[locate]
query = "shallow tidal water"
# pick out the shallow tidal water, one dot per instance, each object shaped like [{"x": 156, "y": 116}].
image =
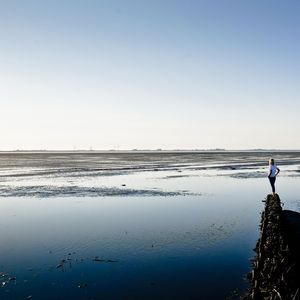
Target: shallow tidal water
[{"x": 134, "y": 225}]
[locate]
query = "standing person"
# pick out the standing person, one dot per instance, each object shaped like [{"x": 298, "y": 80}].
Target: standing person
[{"x": 273, "y": 172}]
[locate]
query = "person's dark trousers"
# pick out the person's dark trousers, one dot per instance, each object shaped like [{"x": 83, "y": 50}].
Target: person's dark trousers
[{"x": 272, "y": 181}]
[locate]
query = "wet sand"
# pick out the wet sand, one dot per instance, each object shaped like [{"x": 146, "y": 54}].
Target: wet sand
[
  {"x": 59, "y": 168},
  {"x": 132, "y": 225}
]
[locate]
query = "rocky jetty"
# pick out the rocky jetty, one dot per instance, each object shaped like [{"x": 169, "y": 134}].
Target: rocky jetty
[{"x": 275, "y": 268}]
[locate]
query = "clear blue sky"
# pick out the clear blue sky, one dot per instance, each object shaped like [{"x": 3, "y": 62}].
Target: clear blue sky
[{"x": 167, "y": 74}]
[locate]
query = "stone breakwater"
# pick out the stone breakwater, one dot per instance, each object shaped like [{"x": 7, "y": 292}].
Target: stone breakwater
[{"x": 275, "y": 268}]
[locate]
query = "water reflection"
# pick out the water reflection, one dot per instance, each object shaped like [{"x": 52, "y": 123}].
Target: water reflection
[{"x": 157, "y": 243}]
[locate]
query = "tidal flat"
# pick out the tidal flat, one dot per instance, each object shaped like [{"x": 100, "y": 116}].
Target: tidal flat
[{"x": 134, "y": 225}]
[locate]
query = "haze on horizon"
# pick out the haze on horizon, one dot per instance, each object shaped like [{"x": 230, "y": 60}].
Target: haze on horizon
[{"x": 149, "y": 74}]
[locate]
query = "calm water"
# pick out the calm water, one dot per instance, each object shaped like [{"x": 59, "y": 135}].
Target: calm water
[{"x": 133, "y": 225}]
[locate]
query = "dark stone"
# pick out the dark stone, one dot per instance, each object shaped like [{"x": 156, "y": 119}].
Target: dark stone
[{"x": 276, "y": 267}]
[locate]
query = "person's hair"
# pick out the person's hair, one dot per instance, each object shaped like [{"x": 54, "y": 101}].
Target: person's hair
[{"x": 271, "y": 161}]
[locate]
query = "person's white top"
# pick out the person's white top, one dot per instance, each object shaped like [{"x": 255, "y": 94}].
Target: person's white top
[{"x": 273, "y": 170}]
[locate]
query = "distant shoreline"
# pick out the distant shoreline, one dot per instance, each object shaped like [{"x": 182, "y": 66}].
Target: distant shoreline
[{"x": 152, "y": 151}]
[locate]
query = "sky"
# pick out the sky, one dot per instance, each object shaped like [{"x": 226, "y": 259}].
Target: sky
[{"x": 149, "y": 74}]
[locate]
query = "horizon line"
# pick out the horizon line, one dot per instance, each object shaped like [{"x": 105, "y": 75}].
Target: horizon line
[{"x": 150, "y": 150}]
